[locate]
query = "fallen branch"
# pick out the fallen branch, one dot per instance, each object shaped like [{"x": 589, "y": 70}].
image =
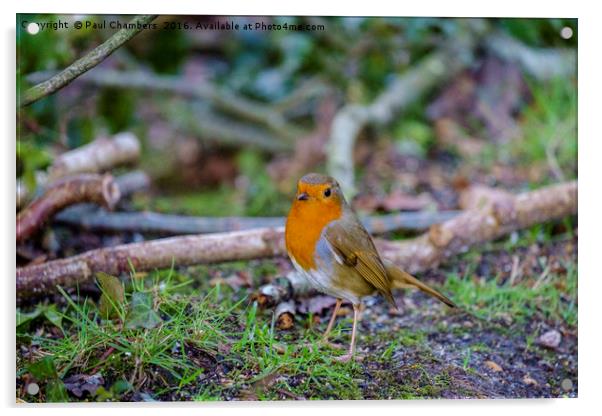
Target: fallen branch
[
  {"x": 442, "y": 241},
  {"x": 168, "y": 224},
  {"x": 402, "y": 92},
  {"x": 150, "y": 255},
  {"x": 284, "y": 314},
  {"x": 481, "y": 224},
  {"x": 96, "y": 157},
  {"x": 132, "y": 182},
  {"x": 221, "y": 99},
  {"x": 87, "y": 62},
  {"x": 72, "y": 190}
]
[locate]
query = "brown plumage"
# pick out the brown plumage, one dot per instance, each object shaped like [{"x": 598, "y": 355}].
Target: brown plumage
[{"x": 329, "y": 245}]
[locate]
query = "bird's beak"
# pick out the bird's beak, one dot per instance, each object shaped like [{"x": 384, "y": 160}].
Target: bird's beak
[{"x": 302, "y": 196}]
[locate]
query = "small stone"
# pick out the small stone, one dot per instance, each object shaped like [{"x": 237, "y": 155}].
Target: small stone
[
  {"x": 33, "y": 389},
  {"x": 566, "y": 384},
  {"x": 550, "y": 339},
  {"x": 529, "y": 381},
  {"x": 495, "y": 367}
]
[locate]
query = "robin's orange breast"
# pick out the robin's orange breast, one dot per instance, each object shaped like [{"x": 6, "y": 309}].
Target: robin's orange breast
[{"x": 304, "y": 225}]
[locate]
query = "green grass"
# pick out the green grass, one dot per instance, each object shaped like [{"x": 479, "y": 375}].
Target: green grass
[
  {"x": 554, "y": 297},
  {"x": 234, "y": 332},
  {"x": 548, "y": 133},
  {"x": 213, "y": 343}
]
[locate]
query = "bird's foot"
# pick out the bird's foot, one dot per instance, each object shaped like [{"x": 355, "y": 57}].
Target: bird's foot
[{"x": 311, "y": 345}]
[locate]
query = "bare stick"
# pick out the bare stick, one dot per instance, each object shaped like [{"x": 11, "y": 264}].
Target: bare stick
[
  {"x": 418, "y": 254},
  {"x": 89, "y": 61},
  {"x": 285, "y": 315},
  {"x": 482, "y": 224},
  {"x": 100, "y": 155},
  {"x": 72, "y": 190},
  {"x": 150, "y": 255},
  {"x": 128, "y": 183},
  {"x": 152, "y": 222}
]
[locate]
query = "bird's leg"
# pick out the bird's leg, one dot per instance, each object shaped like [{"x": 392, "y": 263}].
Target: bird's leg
[
  {"x": 345, "y": 358},
  {"x": 332, "y": 319},
  {"x": 331, "y": 324}
]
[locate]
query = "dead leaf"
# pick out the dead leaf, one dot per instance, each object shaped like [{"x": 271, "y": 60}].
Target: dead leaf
[
  {"x": 259, "y": 386},
  {"x": 528, "y": 380},
  {"x": 285, "y": 321},
  {"x": 493, "y": 366},
  {"x": 113, "y": 295},
  {"x": 78, "y": 384}
]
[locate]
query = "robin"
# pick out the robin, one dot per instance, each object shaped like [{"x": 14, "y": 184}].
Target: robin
[{"x": 328, "y": 244}]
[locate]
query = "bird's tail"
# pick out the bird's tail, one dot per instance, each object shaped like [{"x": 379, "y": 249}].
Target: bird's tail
[{"x": 402, "y": 280}]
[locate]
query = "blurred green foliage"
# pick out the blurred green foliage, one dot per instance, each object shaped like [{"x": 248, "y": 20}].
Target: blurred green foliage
[
  {"x": 541, "y": 32},
  {"x": 358, "y": 56}
]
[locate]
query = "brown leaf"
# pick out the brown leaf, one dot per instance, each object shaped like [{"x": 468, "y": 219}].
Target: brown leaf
[
  {"x": 259, "y": 386},
  {"x": 285, "y": 321},
  {"x": 493, "y": 366},
  {"x": 528, "y": 380}
]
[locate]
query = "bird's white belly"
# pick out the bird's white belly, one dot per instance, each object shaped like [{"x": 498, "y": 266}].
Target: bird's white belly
[{"x": 323, "y": 282}]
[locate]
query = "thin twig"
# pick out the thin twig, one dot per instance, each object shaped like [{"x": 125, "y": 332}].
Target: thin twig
[
  {"x": 84, "y": 64},
  {"x": 94, "y": 219}
]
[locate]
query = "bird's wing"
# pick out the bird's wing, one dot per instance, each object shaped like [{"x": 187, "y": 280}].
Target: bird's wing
[{"x": 353, "y": 245}]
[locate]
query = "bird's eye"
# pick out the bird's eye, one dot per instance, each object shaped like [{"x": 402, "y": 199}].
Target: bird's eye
[{"x": 327, "y": 192}]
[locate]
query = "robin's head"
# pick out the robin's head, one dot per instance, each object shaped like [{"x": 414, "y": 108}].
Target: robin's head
[{"x": 318, "y": 190}]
